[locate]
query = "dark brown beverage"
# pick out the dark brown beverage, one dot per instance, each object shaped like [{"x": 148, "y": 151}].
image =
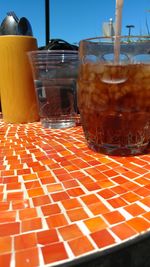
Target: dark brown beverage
[{"x": 114, "y": 103}]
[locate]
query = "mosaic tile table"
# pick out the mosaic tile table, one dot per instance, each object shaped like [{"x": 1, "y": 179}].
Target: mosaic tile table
[{"x": 61, "y": 203}]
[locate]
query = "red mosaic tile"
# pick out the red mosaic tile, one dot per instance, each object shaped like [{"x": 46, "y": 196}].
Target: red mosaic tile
[
  {"x": 76, "y": 247},
  {"x": 92, "y": 186},
  {"x": 4, "y": 205},
  {"x": 56, "y": 220},
  {"x": 13, "y": 186},
  {"x": 47, "y": 237},
  {"x": 25, "y": 241},
  {"x": 110, "y": 173},
  {"x": 31, "y": 224},
  {"x": 120, "y": 180},
  {"x": 41, "y": 200},
  {"x": 51, "y": 255},
  {"x": 106, "y": 193},
  {"x": 139, "y": 224},
  {"x": 114, "y": 217},
  {"x": 8, "y": 229},
  {"x": 117, "y": 202},
  {"x": 59, "y": 196},
  {"x": 32, "y": 184},
  {"x": 10, "y": 179},
  {"x": 50, "y": 209},
  {"x": 5, "y": 260},
  {"x": 103, "y": 238},
  {"x": 5, "y": 245},
  {"x": 69, "y": 232},
  {"x": 15, "y": 196},
  {"x": 70, "y": 183},
  {"x": 123, "y": 231},
  {"x": 28, "y": 257},
  {"x": 75, "y": 192},
  {"x": 95, "y": 224}
]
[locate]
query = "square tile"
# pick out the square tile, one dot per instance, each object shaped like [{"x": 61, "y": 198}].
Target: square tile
[{"x": 51, "y": 255}]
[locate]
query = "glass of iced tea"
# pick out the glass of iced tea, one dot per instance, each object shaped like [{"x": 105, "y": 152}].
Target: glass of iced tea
[{"x": 114, "y": 96}]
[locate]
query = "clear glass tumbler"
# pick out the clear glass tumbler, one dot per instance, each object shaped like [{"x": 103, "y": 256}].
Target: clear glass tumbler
[
  {"x": 55, "y": 73},
  {"x": 114, "y": 94}
]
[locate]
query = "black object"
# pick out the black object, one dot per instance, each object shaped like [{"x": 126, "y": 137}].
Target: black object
[{"x": 59, "y": 44}]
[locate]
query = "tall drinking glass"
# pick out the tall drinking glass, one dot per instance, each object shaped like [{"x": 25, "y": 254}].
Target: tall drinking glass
[{"x": 114, "y": 96}]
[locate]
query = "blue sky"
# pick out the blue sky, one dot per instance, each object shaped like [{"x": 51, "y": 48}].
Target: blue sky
[{"x": 73, "y": 20}]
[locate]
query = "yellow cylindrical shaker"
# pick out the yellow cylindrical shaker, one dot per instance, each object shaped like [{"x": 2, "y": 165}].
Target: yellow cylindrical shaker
[{"x": 18, "y": 98}]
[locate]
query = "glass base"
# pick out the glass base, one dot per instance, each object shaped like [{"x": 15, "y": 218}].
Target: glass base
[
  {"x": 58, "y": 124},
  {"x": 117, "y": 150}
]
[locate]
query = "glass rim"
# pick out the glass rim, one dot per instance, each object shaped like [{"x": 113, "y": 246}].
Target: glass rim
[
  {"x": 128, "y": 37},
  {"x": 56, "y": 52}
]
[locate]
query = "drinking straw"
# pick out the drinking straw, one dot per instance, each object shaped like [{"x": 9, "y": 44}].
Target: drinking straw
[{"x": 118, "y": 24}]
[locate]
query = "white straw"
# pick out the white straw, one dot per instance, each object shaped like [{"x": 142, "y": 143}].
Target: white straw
[{"x": 118, "y": 24}]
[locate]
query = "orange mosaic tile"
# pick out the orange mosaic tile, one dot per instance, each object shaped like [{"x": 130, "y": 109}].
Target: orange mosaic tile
[
  {"x": 56, "y": 220},
  {"x": 71, "y": 203},
  {"x": 41, "y": 200},
  {"x": 103, "y": 238},
  {"x": 77, "y": 214},
  {"x": 25, "y": 241},
  {"x": 123, "y": 231},
  {"x": 130, "y": 197},
  {"x": 20, "y": 204},
  {"x": 27, "y": 213},
  {"x": 51, "y": 255},
  {"x": 61, "y": 201},
  {"x": 15, "y": 196},
  {"x": 38, "y": 191},
  {"x": 54, "y": 187},
  {"x": 114, "y": 217},
  {"x": 31, "y": 224},
  {"x": 29, "y": 257},
  {"x": 139, "y": 224},
  {"x": 70, "y": 232},
  {"x": 98, "y": 208},
  {"x": 147, "y": 216},
  {"x": 95, "y": 224},
  {"x": 76, "y": 247},
  {"x": 5, "y": 245},
  {"x": 7, "y": 216},
  {"x": 134, "y": 209}
]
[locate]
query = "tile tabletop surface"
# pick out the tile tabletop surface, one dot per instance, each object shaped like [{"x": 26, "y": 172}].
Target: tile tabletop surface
[{"x": 61, "y": 202}]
